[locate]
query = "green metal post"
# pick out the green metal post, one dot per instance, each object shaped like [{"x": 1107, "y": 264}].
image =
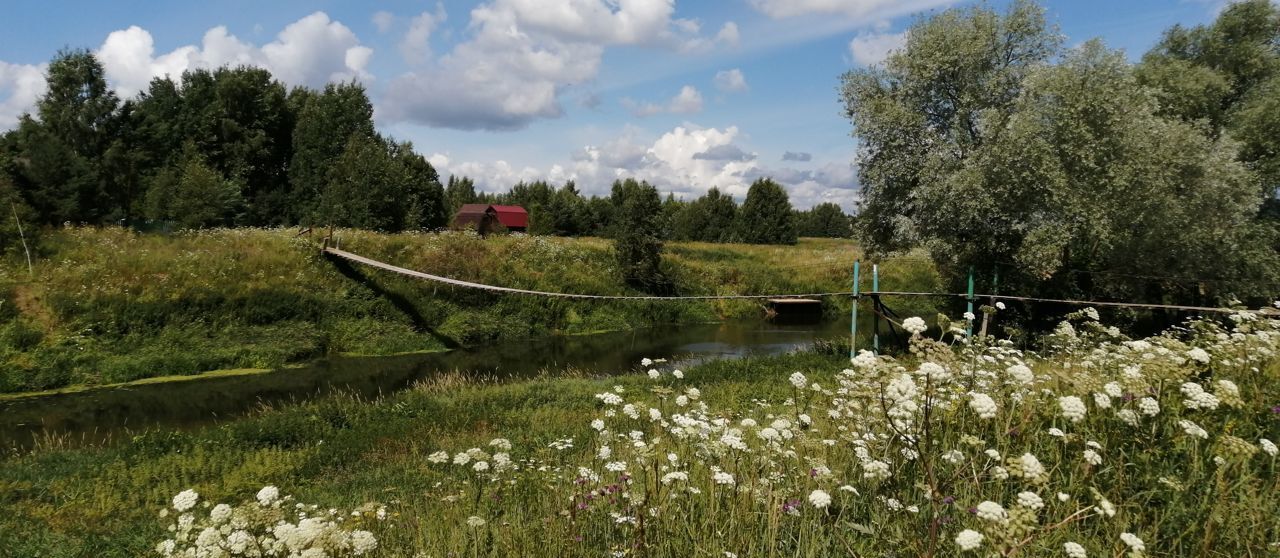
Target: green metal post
[
  {"x": 969, "y": 323},
  {"x": 853, "y": 328},
  {"x": 875, "y": 288}
]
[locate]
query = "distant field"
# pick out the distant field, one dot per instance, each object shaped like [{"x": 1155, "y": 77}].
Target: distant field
[{"x": 110, "y": 305}]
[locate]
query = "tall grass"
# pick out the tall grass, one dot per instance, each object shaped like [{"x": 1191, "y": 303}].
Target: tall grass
[
  {"x": 1098, "y": 441},
  {"x": 111, "y": 305}
]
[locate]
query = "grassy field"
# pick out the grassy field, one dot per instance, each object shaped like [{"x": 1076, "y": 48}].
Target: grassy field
[
  {"x": 109, "y": 305},
  {"x": 1155, "y": 447}
]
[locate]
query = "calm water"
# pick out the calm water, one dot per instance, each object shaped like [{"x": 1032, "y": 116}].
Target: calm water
[{"x": 102, "y": 415}]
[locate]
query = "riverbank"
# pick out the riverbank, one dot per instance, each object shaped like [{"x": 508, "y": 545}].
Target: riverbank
[
  {"x": 110, "y": 305},
  {"x": 784, "y": 455},
  {"x": 75, "y": 417}
]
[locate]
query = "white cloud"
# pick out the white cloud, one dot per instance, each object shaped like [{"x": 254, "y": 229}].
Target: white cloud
[
  {"x": 731, "y": 81},
  {"x": 594, "y": 21},
  {"x": 523, "y": 55},
  {"x": 728, "y": 34},
  {"x": 872, "y": 48},
  {"x": 311, "y": 51},
  {"x": 383, "y": 20},
  {"x": 20, "y": 86},
  {"x": 687, "y": 101},
  {"x": 687, "y": 161},
  {"x": 416, "y": 45},
  {"x": 860, "y": 9}
]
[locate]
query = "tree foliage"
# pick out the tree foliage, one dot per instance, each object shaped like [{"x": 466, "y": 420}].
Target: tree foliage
[
  {"x": 766, "y": 217},
  {"x": 638, "y": 233},
  {"x": 825, "y": 220},
  {"x": 1053, "y": 169}
]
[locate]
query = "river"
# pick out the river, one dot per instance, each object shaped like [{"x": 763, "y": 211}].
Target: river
[{"x": 99, "y": 416}]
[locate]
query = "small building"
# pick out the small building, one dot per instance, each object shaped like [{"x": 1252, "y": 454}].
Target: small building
[{"x": 487, "y": 218}]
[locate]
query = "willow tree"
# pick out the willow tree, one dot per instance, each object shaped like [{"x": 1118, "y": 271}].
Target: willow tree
[{"x": 976, "y": 147}]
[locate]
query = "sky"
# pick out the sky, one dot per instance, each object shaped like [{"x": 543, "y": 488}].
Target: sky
[{"x": 686, "y": 95}]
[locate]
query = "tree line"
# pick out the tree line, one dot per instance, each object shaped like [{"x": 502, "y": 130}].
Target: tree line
[
  {"x": 235, "y": 147},
  {"x": 224, "y": 147},
  {"x": 765, "y": 216},
  {"x": 1074, "y": 172}
]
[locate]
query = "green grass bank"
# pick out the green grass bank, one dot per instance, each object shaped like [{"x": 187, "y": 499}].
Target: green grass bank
[
  {"x": 746, "y": 456},
  {"x": 108, "y": 305}
]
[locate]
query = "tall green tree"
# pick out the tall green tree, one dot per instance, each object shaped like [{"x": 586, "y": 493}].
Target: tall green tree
[
  {"x": 825, "y": 220},
  {"x": 1225, "y": 77},
  {"x": 924, "y": 112},
  {"x": 59, "y": 155},
  {"x": 638, "y": 234},
  {"x": 710, "y": 218},
  {"x": 325, "y": 125},
  {"x": 426, "y": 206},
  {"x": 459, "y": 191},
  {"x": 194, "y": 195},
  {"x": 766, "y": 217},
  {"x": 1068, "y": 167}
]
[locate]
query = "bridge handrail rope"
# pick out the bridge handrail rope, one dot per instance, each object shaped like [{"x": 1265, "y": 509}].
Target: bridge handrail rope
[{"x": 869, "y": 294}]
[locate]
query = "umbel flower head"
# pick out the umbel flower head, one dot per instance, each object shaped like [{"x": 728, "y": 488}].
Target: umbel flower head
[{"x": 968, "y": 539}]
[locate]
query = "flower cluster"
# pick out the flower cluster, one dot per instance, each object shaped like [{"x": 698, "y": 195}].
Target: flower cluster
[{"x": 270, "y": 525}]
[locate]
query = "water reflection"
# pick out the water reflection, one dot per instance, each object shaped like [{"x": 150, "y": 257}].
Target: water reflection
[{"x": 98, "y": 416}]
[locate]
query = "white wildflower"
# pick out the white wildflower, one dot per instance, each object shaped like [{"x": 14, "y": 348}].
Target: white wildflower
[
  {"x": 914, "y": 325},
  {"x": 968, "y": 539},
  {"x": 1268, "y": 446},
  {"x": 1073, "y": 408},
  {"x": 1092, "y": 457},
  {"x": 1149, "y": 406},
  {"x": 1030, "y": 500},
  {"x": 983, "y": 405},
  {"x": 1020, "y": 374},
  {"x": 1074, "y": 550},
  {"x": 185, "y": 500},
  {"x": 1133, "y": 542},
  {"x": 798, "y": 380},
  {"x": 991, "y": 511},
  {"x": 1192, "y": 429},
  {"x": 269, "y": 494},
  {"x": 819, "y": 499}
]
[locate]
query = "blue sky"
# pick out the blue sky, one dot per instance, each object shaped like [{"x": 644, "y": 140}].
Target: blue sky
[{"x": 687, "y": 95}]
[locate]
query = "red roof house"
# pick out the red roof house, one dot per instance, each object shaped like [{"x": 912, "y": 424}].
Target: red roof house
[
  {"x": 513, "y": 217},
  {"x": 485, "y": 218}
]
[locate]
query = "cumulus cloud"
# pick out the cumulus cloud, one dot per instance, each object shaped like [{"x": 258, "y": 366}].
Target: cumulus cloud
[
  {"x": 311, "y": 51},
  {"x": 728, "y": 34},
  {"x": 726, "y": 152},
  {"x": 687, "y": 160},
  {"x": 731, "y": 81},
  {"x": 522, "y": 55},
  {"x": 416, "y": 45},
  {"x": 20, "y": 86},
  {"x": 858, "y": 9},
  {"x": 872, "y": 48},
  {"x": 797, "y": 156},
  {"x": 383, "y": 20},
  {"x": 687, "y": 101}
]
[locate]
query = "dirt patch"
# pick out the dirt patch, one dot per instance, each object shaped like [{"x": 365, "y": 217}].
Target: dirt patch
[{"x": 30, "y": 305}]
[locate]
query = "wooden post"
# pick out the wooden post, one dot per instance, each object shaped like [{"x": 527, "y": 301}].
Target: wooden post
[
  {"x": 31, "y": 274},
  {"x": 986, "y": 316},
  {"x": 875, "y": 288},
  {"x": 853, "y": 328},
  {"x": 968, "y": 329}
]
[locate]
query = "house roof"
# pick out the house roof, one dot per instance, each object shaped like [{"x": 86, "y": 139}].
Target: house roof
[
  {"x": 473, "y": 208},
  {"x": 512, "y": 215}
]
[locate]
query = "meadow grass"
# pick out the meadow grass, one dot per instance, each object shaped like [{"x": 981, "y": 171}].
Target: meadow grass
[
  {"x": 109, "y": 305},
  {"x": 1120, "y": 447}
]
